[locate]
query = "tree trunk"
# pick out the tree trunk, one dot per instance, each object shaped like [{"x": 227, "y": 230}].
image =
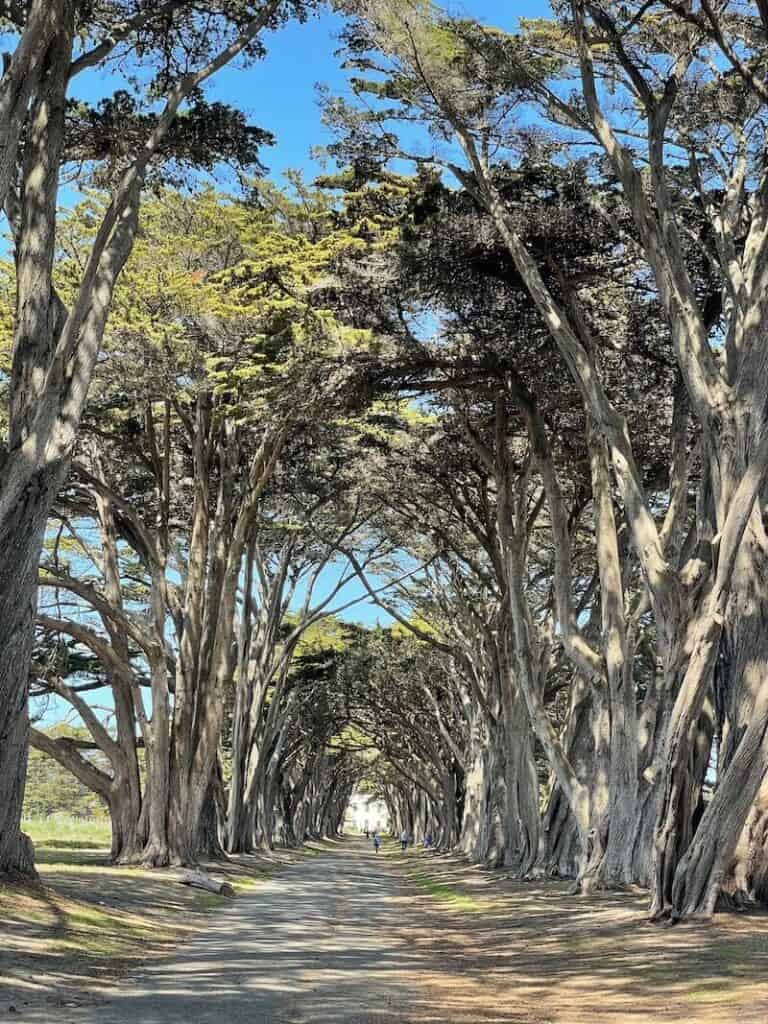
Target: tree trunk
[
  {"x": 690, "y": 868},
  {"x": 709, "y": 857},
  {"x": 559, "y": 850},
  {"x": 652, "y": 723},
  {"x": 125, "y": 815},
  {"x": 22, "y": 528},
  {"x": 474, "y": 837},
  {"x": 31, "y": 474},
  {"x": 157, "y": 852},
  {"x": 749, "y": 873},
  {"x": 739, "y": 684},
  {"x": 616, "y": 868},
  {"x": 521, "y": 806},
  {"x": 682, "y": 776},
  {"x": 207, "y": 844}
]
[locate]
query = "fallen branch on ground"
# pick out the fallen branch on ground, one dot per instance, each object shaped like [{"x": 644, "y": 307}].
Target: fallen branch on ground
[{"x": 198, "y": 880}]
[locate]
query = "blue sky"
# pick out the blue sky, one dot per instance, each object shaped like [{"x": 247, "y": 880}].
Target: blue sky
[{"x": 279, "y": 93}]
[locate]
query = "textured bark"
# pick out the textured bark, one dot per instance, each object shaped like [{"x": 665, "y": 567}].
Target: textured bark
[
  {"x": 128, "y": 837},
  {"x": 22, "y": 528},
  {"x": 20, "y": 80},
  {"x": 29, "y": 482},
  {"x": 125, "y": 802},
  {"x": 560, "y": 850},
  {"x": 559, "y": 854},
  {"x": 475, "y": 835},
  {"x": 687, "y": 880},
  {"x": 18, "y": 599},
  {"x": 199, "y": 588},
  {"x": 54, "y": 354},
  {"x": 159, "y": 850},
  {"x": 710, "y": 854},
  {"x": 521, "y": 818},
  {"x": 528, "y": 663},
  {"x": 616, "y": 867},
  {"x": 732, "y": 416},
  {"x": 236, "y": 824},
  {"x": 727, "y": 398},
  {"x": 747, "y": 879},
  {"x": 740, "y": 700},
  {"x": 207, "y": 845}
]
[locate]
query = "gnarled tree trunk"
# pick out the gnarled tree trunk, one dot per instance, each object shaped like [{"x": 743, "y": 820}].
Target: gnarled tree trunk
[{"x": 18, "y": 600}]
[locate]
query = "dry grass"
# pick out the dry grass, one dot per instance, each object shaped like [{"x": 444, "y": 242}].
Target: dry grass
[
  {"x": 488, "y": 949},
  {"x": 511, "y": 951},
  {"x": 90, "y": 922}
]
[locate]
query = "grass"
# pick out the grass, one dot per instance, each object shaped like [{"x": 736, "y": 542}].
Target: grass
[
  {"x": 107, "y": 934},
  {"x": 446, "y": 893},
  {"x": 89, "y": 920},
  {"x": 83, "y": 907},
  {"x": 576, "y": 959},
  {"x": 47, "y": 927},
  {"x": 60, "y": 831},
  {"x": 438, "y": 889}
]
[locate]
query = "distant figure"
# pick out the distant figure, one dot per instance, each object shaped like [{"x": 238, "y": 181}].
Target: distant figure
[
  {"x": 403, "y": 840},
  {"x": 376, "y": 842},
  {"x": 428, "y": 841},
  {"x": 366, "y": 832}
]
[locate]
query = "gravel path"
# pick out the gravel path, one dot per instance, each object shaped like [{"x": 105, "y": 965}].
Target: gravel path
[{"x": 314, "y": 945}]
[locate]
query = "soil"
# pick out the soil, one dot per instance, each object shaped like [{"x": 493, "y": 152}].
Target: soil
[
  {"x": 534, "y": 953},
  {"x": 349, "y": 937},
  {"x": 88, "y": 924}
]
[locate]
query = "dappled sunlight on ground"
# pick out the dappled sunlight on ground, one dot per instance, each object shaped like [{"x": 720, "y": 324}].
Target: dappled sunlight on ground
[
  {"x": 571, "y": 959},
  {"x": 90, "y": 922},
  {"x": 357, "y": 938}
]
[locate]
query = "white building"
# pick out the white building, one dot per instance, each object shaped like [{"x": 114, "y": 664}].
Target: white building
[{"x": 366, "y": 812}]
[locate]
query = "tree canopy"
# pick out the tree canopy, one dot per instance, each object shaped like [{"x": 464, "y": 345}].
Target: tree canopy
[{"x": 496, "y": 376}]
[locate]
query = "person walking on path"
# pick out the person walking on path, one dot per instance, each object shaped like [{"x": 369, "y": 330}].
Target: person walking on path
[
  {"x": 403, "y": 840},
  {"x": 376, "y": 842}
]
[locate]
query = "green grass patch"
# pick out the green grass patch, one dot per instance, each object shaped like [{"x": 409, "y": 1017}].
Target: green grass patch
[
  {"x": 60, "y": 858},
  {"x": 307, "y": 850},
  {"x": 63, "y": 832},
  {"x": 89, "y": 918},
  {"x": 106, "y": 934},
  {"x": 208, "y": 901},
  {"x": 244, "y": 883},
  {"x": 89, "y": 911},
  {"x": 76, "y": 929},
  {"x": 69, "y": 844},
  {"x": 446, "y": 893}
]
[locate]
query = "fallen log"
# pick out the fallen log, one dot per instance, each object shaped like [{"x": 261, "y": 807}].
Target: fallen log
[{"x": 198, "y": 880}]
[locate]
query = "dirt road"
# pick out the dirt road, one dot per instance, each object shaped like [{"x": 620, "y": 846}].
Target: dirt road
[
  {"x": 349, "y": 937},
  {"x": 321, "y": 943}
]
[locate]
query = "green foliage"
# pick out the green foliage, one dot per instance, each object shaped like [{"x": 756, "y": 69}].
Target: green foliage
[
  {"x": 388, "y": 423},
  {"x": 446, "y": 893},
  {"x": 418, "y": 62},
  {"x": 326, "y": 636},
  {"x": 223, "y": 295},
  {"x": 52, "y": 790},
  {"x": 202, "y": 136}
]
